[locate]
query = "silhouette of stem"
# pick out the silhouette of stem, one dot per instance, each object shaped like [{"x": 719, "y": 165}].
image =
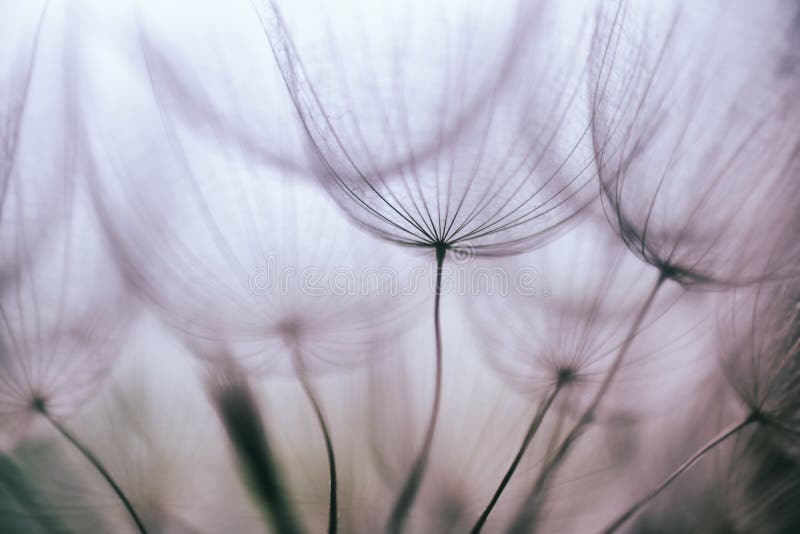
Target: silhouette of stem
[
  {"x": 312, "y": 397},
  {"x": 697, "y": 456},
  {"x": 243, "y": 424},
  {"x": 532, "y": 429},
  {"x": 525, "y": 521},
  {"x": 89, "y": 455},
  {"x": 406, "y": 498}
]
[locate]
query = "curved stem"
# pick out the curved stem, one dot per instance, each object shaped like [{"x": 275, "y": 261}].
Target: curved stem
[
  {"x": 525, "y": 521},
  {"x": 406, "y": 498},
  {"x": 312, "y": 398},
  {"x": 719, "y": 438},
  {"x": 532, "y": 429},
  {"x": 97, "y": 465}
]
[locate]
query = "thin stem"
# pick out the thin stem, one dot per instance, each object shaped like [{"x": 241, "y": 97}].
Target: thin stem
[
  {"x": 312, "y": 398},
  {"x": 705, "y": 449},
  {"x": 406, "y": 499},
  {"x": 97, "y": 465},
  {"x": 525, "y": 521},
  {"x": 532, "y": 429},
  {"x": 553, "y": 441}
]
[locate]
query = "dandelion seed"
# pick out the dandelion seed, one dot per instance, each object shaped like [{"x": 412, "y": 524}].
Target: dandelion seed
[
  {"x": 501, "y": 182},
  {"x": 246, "y": 263},
  {"x": 695, "y": 159},
  {"x": 648, "y": 164},
  {"x": 60, "y": 336},
  {"x": 763, "y": 365}
]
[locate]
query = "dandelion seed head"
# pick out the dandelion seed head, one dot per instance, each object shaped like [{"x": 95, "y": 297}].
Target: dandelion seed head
[
  {"x": 696, "y": 152},
  {"x": 497, "y": 184},
  {"x": 760, "y": 350},
  {"x": 246, "y": 259},
  {"x": 62, "y": 324},
  {"x": 565, "y": 375}
]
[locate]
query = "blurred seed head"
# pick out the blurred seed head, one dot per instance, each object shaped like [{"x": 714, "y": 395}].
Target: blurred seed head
[{"x": 697, "y": 152}]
